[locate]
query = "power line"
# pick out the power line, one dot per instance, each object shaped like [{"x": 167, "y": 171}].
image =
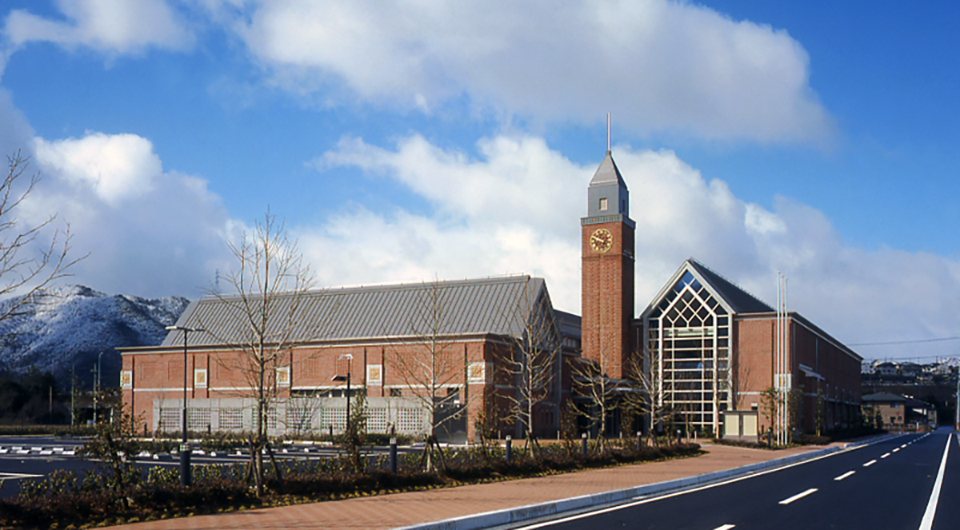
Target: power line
[{"x": 917, "y": 341}]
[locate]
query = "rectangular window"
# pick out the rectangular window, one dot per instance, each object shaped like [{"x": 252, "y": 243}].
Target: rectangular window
[
  {"x": 126, "y": 379},
  {"x": 333, "y": 417},
  {"x": 231, "y": 419},
  {"x": 374, "y": 374},
  {"x": 409, "y": 420},
  {"x": 377, "y": 420},
  {"x": 603, "y": 204},
  {"x": 200, "y": 378},
  {"x": 299, "y": 418},
  {"x": 396, "y": 392},
  {"x": 477, "y": 373},
  {"x": 171, "y": 419},
  {"x": 283, "y": 376},
  {"x": 198, "y": 419}
]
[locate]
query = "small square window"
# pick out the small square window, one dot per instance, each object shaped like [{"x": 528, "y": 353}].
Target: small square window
[{"x": 603, "y": 204}]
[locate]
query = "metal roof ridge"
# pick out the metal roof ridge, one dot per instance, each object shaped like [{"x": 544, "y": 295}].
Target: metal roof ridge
[{"x": 503, "y": 278}]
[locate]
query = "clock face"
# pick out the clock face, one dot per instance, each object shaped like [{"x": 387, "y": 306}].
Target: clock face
[{"x": 601, "y": 240}]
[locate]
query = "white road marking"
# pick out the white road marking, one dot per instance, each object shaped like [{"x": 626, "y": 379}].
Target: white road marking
[
  {"x": 845, "y": 475},
  {"x": 15, "y": 476},
  {"x": 927, "y": 522},
  {"x": 798, "y": 496},
  {"x": 640, "y": 500},
  {"x": 885, "y": 455},
  {"x": 904, "y": 446},
  {"x": 895, "y": 450},
  {"x": 725, "y": 527},
  {"x": 870, "y": 463}
]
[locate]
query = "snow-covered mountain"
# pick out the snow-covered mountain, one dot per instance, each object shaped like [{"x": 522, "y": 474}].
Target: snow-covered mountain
[{"x": 67, "y": 333}]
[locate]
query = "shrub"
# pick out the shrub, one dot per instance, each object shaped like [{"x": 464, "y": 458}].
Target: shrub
[{"x": 86, "y": 498}]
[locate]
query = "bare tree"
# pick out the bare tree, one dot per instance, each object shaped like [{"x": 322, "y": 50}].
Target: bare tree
[
  {"x": 645, "y": 397},
  {"x": 591, "y": 381},
  {"x": 530, "y": 364},
  {"x": 430, "y": 364},
  {"x": 269, "y": 288},
  {"x": 25, "y": 271}
]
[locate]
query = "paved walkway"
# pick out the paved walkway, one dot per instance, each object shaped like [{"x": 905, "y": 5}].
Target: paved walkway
[{"x": 403, "y": 509}]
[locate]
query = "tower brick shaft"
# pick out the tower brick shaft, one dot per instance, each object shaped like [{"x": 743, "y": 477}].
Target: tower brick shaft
[{"x": 608, "y": 272}]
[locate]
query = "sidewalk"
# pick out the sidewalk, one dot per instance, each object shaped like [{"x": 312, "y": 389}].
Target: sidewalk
[{"x": 404, "y": 509}]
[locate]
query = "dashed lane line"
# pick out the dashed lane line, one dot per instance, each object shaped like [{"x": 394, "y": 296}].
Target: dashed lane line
[
  {"x": 798, "y": 496},
  {"x": 885, "y": 455},
  {"x": 870, "y": 463},
  {"x": 843, "y": 476},
  {"x": 725, "y": 527}
]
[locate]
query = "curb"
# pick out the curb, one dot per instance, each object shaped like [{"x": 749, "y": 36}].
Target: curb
[{"x": 609, "y": 498}]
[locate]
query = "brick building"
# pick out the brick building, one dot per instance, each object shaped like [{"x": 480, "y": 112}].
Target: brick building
[
  {"x": 707, "y": 344},
  {"x": 452, "y": 343},
  {"x": 711, "y": 345}
]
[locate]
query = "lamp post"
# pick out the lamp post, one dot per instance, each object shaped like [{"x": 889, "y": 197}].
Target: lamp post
[
  {"x": 184, "y": 447},
  {"x": 349, "y": 358},
  {"x": 96, "y": 389}
]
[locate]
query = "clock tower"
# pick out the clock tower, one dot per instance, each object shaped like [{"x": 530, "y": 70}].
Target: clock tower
[{"x": 608, "y": 271}]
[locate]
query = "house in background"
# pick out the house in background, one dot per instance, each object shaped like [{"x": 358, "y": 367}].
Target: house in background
[{"x": 899, "y": 413}]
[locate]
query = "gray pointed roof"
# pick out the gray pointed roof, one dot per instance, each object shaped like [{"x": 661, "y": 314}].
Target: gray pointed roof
[
  {"x": 741, "y": 301},
  {"x": 608, "y": 172},
  {"x": 733, "y": 298},
  {"x": 499, "y": 306}
]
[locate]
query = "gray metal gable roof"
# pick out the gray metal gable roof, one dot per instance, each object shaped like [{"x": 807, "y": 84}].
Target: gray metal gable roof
[
  {"x": 740, "y": 300},
  {"x": 882, "y": 396},
  {"x": 499, "y": 306},
  {"x": 733, "y": 298}
]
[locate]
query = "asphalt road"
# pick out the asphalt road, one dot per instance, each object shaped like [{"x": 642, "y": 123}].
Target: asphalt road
[{"x": 888, "y": 485}]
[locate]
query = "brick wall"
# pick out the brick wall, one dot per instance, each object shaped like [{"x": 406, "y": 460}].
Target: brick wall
[{"x": 607, "y": 298}]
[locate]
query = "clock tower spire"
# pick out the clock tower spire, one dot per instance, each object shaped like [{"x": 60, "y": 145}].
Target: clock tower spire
[{"x": 608, "y": 271}]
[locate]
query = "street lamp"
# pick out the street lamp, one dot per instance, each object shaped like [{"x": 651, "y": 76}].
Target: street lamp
[
  {"x": 184, "y": 448},
  {"x": 349, "y": 358}
]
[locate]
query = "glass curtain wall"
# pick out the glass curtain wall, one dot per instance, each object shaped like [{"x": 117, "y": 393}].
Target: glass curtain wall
[{"x": 688, "y": 340}]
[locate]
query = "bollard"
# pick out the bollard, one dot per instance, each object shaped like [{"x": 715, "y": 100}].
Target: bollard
[
  {"x": 585, "y": 448},
  {"x": 393, "y": 455},
  {"x": 679, "y": 439},
  {"x": 509, "y": 447},
  {"x": 639, "y": 440}
]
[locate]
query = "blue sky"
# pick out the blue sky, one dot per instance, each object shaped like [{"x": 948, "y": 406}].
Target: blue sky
[{"x": 406, "y": 141}]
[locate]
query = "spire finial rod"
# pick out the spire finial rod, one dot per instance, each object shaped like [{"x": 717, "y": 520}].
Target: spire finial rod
[{"x": 608, "y": 132}]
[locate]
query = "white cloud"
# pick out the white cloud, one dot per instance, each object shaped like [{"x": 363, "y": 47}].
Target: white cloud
[
  {"x": 111, "y": 26},
  {"x": 855, "y": 294},
  {"x": 16, "y": 132},
  {"x": 116, "y": 167},
  {"x": 657, "y": 65},
  {"x": 147, "y": 232}
]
